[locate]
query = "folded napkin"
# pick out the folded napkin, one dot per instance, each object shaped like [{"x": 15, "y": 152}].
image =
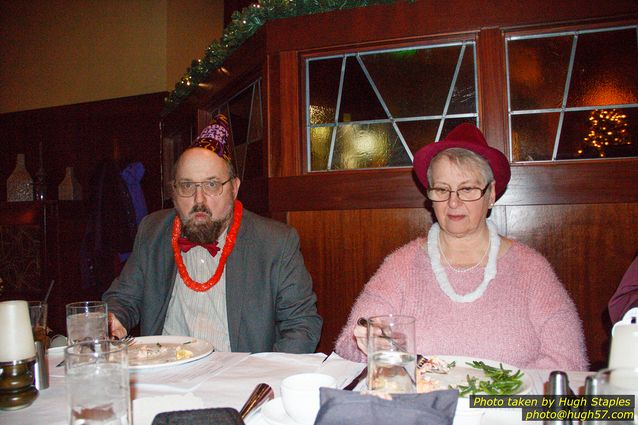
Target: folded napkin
[
  {"x": 340, "y": 407},
  {"x": 145, "y": 408},
  {"x": 214, "y": 416}
]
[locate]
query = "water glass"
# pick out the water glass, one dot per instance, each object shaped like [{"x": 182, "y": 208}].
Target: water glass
[
  {"x": 97, "y": 383},
  {"x": 87, "y": 321},
  {"x": 391, "y": 354},
  {"x": 38, "y": 315}
]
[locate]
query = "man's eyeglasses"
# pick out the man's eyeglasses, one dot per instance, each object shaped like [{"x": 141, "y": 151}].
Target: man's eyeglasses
[
  {"x": 466, "y": 194},
  {"x": 187, "y": 188}
]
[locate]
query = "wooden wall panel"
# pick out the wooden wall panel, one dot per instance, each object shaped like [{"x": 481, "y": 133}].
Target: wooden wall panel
[
  {"x": 342, "y": 250},
  {"x": 590, "y": 247},
  {"x": 400, "y": 20},
  {"x": 82, "y": 136}
]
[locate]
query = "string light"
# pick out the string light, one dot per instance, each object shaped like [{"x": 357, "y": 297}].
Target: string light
[{"x": 608, "y": 128}]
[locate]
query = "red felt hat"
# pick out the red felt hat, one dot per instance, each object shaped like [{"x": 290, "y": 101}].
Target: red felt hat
[{"x": 465, "y": 136}]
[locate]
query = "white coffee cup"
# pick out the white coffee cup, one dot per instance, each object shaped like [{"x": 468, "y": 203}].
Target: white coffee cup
[{"x": 300, "y": 395}]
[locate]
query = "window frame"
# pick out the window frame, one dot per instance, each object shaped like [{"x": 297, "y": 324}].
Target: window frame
[{"x": 573, "y": 30}]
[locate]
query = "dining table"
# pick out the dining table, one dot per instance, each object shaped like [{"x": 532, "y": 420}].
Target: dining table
[{"x": 226, "y": 379}]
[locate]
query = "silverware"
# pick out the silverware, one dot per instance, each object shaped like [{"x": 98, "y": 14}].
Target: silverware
[
  {"x": 128, "y": 340},
  {"x": 364, "y": 322},
  {"x": 352, "y": 385},
  {"x": 420, "y": 361},
  {"x": 261, "y": 394}
]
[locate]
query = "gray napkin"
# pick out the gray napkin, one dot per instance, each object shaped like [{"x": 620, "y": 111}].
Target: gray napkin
[
  {"x": 214, "y": 416},
  {"x": 340, "y": 407}
]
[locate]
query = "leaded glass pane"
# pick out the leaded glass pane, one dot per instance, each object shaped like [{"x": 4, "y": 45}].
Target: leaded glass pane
[
  {"x": 368, "y": 146},
  {"x": 254, "y": 165},
  {"x": 532, "y": 86},
  {"x": 256, "y": 127},
  {"x": 320, "y": 148},
  {"x": 601, "y": 133},
  {"x": 464, "y": 95},
  {"x": 595, "y": 117},
  {"x": 533, "y": 136},
  {"x": 418, "y": 133},
  {"x": 450, "y": 123},
  {"x": 246, "y": 131},
  {"x": 605, "y": 69},
  {"x": 240, "y": 160},
  {"x": 397, "y": 74},
  {"x": 358, "y": 101},
  {"x": 323, "y": 86},
  {"x": 239, "y": 114}
]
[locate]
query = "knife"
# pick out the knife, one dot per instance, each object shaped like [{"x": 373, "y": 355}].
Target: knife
[{"x": 356, "y": 380}]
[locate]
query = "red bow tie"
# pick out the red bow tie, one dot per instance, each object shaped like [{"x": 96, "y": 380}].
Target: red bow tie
[{"x": 185, "y": 245}]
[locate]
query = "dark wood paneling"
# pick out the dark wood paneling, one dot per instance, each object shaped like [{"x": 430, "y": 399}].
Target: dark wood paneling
[
  {"x": 83, "y": 135},
  {"x": 403, "y": 20},
  {"x": 80, "y": 136},
  {"x": 290, "y": 162},
  {"x": 492, "y": 90},
  {"x": 343, "y": 249},
  {"x": 590, "y": 247},
  {"x": 532, "y": 184}
]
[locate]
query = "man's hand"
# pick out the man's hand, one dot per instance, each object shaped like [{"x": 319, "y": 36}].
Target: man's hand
[{"x": 115, "y": 327}]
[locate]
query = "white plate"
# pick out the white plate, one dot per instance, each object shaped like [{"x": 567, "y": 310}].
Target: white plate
[
  {"x": 458, "y": 374},
  {"x": 274, "y": 413},
  {"x": 145, "y": 353},
  {"x": 56, "y": 350}
]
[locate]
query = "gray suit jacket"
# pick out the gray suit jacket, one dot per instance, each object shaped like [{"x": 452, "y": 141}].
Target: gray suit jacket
[{"x": 269, "y": 298}]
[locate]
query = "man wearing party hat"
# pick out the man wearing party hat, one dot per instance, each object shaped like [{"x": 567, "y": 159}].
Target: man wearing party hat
[{"x": 210, "y": 269}]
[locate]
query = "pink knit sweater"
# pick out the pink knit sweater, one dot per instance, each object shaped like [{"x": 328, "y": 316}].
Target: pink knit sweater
[{"x": 524, "y": 318}]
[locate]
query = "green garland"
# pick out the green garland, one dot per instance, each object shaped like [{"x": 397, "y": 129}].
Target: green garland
[{"x": 242, "y": 26}]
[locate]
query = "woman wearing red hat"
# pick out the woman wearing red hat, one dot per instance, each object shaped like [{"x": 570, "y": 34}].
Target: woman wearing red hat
[{"x": 473, "y": 292}]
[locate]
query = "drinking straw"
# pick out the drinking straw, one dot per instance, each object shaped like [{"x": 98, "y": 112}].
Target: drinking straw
[{"x": 46, "y": 297}]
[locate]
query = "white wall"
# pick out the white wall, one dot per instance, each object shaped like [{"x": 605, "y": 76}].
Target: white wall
[{"x": 56, "y": 52}]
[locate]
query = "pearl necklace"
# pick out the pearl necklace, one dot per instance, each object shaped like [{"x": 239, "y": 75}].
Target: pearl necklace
[
  {"x": 469, "y": 269},
  {"x": 439, "y": 272}
]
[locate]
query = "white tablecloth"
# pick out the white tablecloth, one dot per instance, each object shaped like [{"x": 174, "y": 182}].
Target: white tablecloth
[{"x": 224, "y": 380}]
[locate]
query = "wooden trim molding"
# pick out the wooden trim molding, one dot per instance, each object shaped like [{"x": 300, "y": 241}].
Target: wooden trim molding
[{"x": 531, "y": 184}]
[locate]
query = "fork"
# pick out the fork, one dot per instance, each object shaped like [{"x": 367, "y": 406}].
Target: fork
[
  {"x": 393, "y": 342},
  {"x": 128, "y": 340}
]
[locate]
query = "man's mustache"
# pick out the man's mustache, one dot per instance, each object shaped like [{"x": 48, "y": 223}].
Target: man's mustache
[{"x": 201, "y": 209}]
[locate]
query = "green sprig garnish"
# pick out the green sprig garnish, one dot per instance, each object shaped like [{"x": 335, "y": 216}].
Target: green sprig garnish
[{"x": 500, "y": 381}]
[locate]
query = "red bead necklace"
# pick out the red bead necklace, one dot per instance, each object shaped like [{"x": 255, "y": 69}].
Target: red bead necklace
[{"x": 231, "y": 238}]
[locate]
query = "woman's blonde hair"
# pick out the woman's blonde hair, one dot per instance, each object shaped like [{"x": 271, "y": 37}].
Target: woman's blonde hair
[{"x": 464, "y": 159}]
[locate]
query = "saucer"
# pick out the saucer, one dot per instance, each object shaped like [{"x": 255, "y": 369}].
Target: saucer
[{"x": 274, "y": 413}]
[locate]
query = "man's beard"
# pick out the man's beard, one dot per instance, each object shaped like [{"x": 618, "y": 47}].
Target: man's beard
[{"x": 204, "y": 232}]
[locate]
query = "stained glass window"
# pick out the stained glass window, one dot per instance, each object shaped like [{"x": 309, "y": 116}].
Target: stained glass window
[
  {"x": 573, "y": 95},
  {"x": 376, "y": 109},
  {"x": 244, "y": 111}
]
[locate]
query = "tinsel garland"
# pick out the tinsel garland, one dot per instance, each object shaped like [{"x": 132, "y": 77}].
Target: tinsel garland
[{"x": 243, "y": 25}]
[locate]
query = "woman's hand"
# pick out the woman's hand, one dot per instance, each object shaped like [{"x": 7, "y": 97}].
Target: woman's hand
[
  {"x": 361, "y": 334},
  {"x": 115, "y": 327}
]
